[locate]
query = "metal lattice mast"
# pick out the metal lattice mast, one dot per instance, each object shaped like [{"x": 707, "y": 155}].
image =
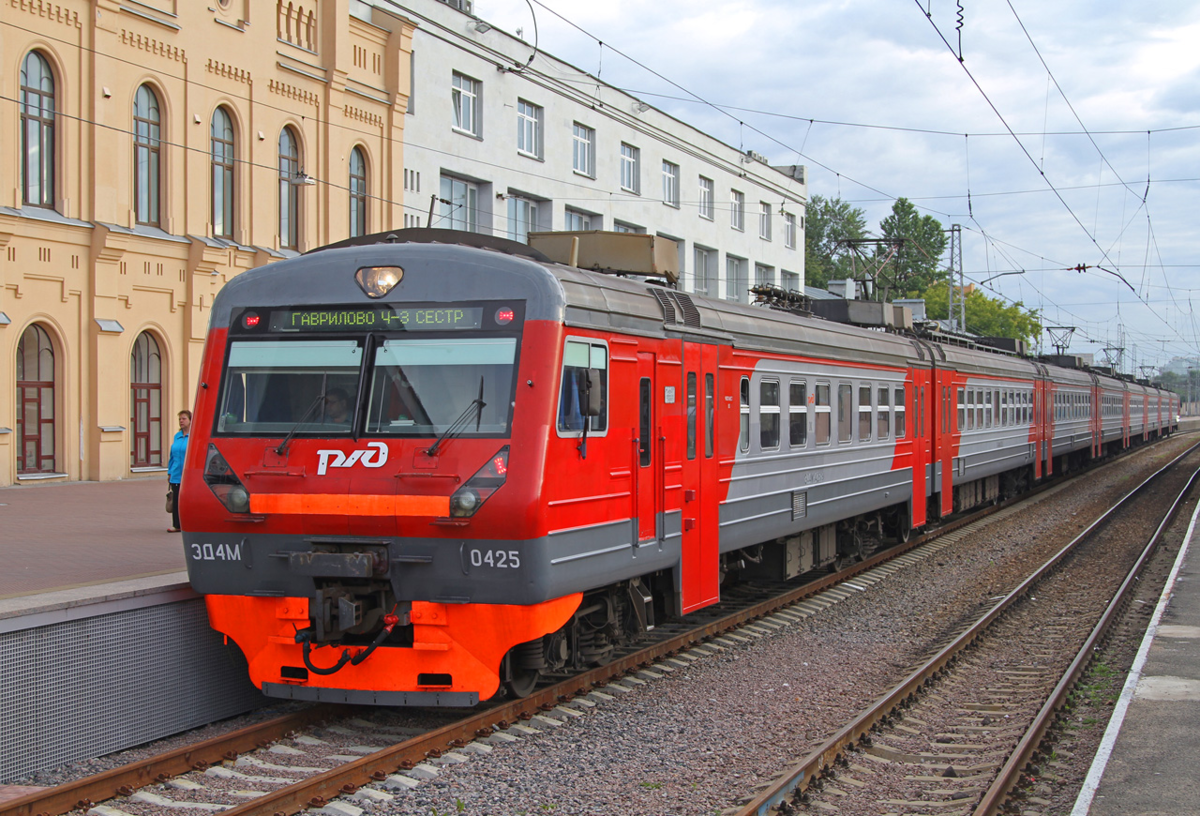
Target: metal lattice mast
[{"x": 957, "y": 266}]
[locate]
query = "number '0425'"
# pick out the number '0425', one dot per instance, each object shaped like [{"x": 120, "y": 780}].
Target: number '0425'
[{"x": 501, "y": 559}]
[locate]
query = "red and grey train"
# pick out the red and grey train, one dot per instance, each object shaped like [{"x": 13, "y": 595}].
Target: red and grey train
[{"x": 426, "y": 465}]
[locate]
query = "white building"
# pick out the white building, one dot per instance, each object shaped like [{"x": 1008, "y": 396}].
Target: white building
[{"x": 502, "y": 139}]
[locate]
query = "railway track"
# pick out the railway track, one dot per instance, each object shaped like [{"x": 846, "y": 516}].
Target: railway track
[
  {"x": 958, "y": 734},
  {"x": 326, "y": 754}
]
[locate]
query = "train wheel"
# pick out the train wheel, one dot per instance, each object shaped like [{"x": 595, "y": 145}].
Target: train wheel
[
  {"x": 519, "y": 681},
  {"x": 522, "y": 682}
]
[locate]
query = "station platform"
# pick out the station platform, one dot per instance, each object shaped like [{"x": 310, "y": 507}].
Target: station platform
[
  {"x": 103, "y": 643},
  {"x": 77, "y": 534},
  {"x": 1148, "y": 762}
]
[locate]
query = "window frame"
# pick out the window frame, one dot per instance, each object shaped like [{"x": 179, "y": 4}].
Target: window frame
[
  {"x": 866, "y": 413},
  {"x": 528, "y": 218},
  {"x": 530, "y": 118},
  {"x": 789, "y": 230},
  {"x": 631, "y": 168},
  {"x": 798, "y": 409},
  {"x": 583, "y": 150},
  {"x": 823, "y": 413},
  {"x": 769, "y": 409},
  {"x": 147, "y": 157},
  {"x": 571, "y": 212},
  {"x": 737, "y": 210},
  {"x": 289, "y": 190},
  {"x": 358, "y": 192},
  {"x": 707, "y": 198},
  {"x": 592, "y": 343},
  {"x": 670, "y": 180},
  {"x": 470, "y": 206},
  {"x": 38, "y": 119},
  {"x": 465, "y": 95},
  {"x": 764, "y": 221},
  {"x": 223, "y": 176}
]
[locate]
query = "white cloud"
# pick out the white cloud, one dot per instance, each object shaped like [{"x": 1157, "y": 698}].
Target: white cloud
[{"x": 1123, "y": 66}]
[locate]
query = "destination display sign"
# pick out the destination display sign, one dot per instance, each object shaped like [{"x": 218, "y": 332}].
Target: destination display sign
[{"x": 376, "y": 318}]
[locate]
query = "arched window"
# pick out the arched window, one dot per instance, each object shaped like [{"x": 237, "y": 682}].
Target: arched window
[
  {"x": 289, "y": 190},
  {"x": 35, "y": 402},
  {"x": 145, "y": 383},
  {"x": 223, "y": 158},
  {"x": 146, "y": 147},
  {"x": 37, "y": 131},
  {"x": 358, "y": 193}
]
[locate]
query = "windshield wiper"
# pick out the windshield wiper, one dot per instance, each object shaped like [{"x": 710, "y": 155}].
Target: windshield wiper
[
  {"x": 456, "y": 427},
  {"x": 282, "y": 449}
]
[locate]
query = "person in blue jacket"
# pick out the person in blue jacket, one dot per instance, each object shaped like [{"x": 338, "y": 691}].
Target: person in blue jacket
[{"x": 175, "y": 466}]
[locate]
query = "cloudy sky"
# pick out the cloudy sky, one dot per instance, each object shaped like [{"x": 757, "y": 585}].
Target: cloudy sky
[{"x": 1103, "y": 98}]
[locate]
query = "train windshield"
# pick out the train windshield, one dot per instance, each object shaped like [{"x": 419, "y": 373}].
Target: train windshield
[
  {"x": 273, "y": 387},
  {"x": 420, "y": 387}
]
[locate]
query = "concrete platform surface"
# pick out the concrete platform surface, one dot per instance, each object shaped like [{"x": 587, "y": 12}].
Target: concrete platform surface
[
  {"x": 60, "y": 536},
  {"x": 1149, "y": 760}
]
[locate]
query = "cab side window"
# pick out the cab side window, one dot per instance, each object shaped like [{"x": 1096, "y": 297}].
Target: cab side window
[{"x": 579, "y": 358}]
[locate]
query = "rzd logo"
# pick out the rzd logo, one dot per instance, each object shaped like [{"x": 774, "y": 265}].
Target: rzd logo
[{"x": 370, "y": 458}]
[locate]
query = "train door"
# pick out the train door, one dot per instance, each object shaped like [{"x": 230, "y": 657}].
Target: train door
[
  {"x": 648, "y": 451},
  {"x": 922, "y": 408},
  {"x": 943, "y": 448},
  {"x": 699, "y": 581}
]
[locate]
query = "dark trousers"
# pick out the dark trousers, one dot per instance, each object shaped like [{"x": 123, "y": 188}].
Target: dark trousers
[{"x": 174, "y": 505}]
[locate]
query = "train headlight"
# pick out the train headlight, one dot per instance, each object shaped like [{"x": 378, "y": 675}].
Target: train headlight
[
  {"x": 224, "y": 483},
  {"x": 467, "y": 500},
  {"x": 377, "y": 281}
]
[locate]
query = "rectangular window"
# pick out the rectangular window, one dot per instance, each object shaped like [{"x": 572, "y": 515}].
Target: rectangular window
[
  {"x": 845, "y": 429},
  {"x": 422, "y": 386},
  {"x": 764, "y": 220},
  {"x": 898, "y": 413},
  {"x": 529, "y": 129},
  {"x": 522, "y": 218},
  {"x": 645, "y": 446},
  {"x": 706, "y": 198},
  {"x": 691, "y": 415},
  {"x": 768, "y": 414},
  {"x": 583, "y": 150},
  {"x": 797, "y": 414},
  {"x": 670, "y": 178},
  {"x": 710, "y": 414},
  {"x": 789, "y": 230},
  {"x": 864, "y": 413},
  {"x": 737, "y": 210},
  {"x": 822, "y": 415},
  {"x": 621, "y": 226},
  {"x": 882, "y": 418},
  {"x": 764, "y": 275},
  {"x": 460, "y": 212},
  {"x": 579, "y": 221},
  {"x": 274, "y": 386},
  {"x": 704, "y": 270},
  {"x": 962, "y": 410},
  {"x": 585, "y": 365},
  {"x": 631, "y": 169},
  {"x": 744, "y": 410},
  {"x": 790, "y": 281},
  {"x": 736, "y": 283},
  {"x": 465, "y": 99}
]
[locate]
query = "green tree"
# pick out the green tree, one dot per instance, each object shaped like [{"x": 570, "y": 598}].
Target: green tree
[
  {"x": 827, "y": 221},
  {"x": 916, "y": 265},
  {"x": 986, "y": 316}
]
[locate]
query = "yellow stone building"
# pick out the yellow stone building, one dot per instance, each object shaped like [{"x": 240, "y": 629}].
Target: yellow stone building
[{"x": 150, "y": 151}]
